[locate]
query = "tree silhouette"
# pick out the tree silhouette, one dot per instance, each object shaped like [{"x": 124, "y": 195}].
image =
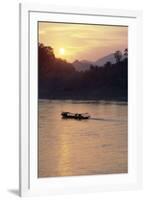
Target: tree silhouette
[
  {"x": 108, "y": 64},
  {"x": 58, "y": 78},
  {"x": 126, "y": 52},
  {"x": 118, "y": 56}
]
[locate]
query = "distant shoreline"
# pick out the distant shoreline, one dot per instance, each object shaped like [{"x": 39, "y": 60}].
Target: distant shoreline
[{"x": 119, "y": 99}]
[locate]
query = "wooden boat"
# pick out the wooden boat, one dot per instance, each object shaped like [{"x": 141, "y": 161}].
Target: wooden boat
[{"x": 69, "y": 115}]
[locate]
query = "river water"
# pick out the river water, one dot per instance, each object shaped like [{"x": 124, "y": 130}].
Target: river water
[{"x": 69, "y": 147}]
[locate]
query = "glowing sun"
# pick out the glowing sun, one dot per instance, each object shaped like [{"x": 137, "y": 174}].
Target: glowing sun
[{"x": 62, "y": 51}]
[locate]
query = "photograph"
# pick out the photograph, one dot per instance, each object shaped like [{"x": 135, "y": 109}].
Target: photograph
[{"x": 82, "y": 99}]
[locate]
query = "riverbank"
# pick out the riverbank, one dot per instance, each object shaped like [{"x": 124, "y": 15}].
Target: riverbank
[{"x": 96, "y": 96}]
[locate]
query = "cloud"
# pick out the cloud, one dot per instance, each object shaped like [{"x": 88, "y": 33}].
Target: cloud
[{"x": 90, "y": 41}]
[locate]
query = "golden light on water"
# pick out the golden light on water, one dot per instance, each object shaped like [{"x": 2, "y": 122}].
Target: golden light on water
[
  {"x": 72, "y": 148},
  {"x": 65, "y": 154}
]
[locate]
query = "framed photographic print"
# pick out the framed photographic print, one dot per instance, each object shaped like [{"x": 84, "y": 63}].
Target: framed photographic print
[{"x": 80, "y": 100}]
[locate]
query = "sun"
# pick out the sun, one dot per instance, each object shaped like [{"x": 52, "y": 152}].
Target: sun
[{"x": 62, "y": 51}]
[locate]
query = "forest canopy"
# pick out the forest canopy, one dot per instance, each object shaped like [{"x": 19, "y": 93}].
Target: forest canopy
[{"x": 58, "y": 79}]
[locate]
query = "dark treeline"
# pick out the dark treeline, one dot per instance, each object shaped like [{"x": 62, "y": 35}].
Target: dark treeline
[{"x": 58, "y": 79}]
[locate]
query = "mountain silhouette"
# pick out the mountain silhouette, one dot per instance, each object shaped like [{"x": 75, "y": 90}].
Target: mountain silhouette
[{"x": 84, "y": 65}]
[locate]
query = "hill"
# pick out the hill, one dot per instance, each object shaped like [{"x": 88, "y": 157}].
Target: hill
[{"x": 84, "y": 65}]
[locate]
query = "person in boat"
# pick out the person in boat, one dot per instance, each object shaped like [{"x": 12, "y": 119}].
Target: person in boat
[{"x": 75, "y": 115}]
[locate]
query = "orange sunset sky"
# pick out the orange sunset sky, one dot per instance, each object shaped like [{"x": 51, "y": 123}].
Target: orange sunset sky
[{"x": 83, "y": 42}]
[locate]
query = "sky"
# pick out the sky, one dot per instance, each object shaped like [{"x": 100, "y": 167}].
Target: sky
[{"x": 81, "y": 41}]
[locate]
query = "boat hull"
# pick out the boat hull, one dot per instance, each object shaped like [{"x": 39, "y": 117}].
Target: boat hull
[{"x": 67, "y": 115}]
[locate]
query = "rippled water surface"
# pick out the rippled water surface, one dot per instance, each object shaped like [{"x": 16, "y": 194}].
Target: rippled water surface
[{"x": 69, "y": 147}]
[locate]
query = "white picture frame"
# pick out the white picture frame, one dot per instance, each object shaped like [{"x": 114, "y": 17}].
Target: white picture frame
[{"x": 30, "y": 184}]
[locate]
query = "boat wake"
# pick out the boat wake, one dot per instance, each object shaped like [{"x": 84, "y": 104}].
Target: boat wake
[{"x": 104, "y": 119}]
